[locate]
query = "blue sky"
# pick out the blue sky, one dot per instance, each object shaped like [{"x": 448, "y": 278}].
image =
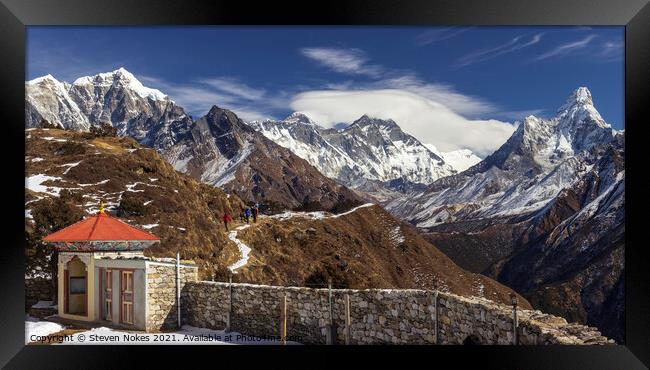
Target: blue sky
[{"x": 449, "y": 86}]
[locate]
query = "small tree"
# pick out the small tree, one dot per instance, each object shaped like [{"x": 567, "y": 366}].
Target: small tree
[
  {"x": 131, "y": 206},
  {"x": 46, "y": 124},
  {"x": 50, "y": 215},
  {"x": 103, "y": 130},
  {"x": 324, "y": 272}
]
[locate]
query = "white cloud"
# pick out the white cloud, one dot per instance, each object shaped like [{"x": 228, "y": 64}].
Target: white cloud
[
  {"x": 611, "y": 50},
  {"x": 226, "y": 92},
  {"x": 429, "y": 121},
  {"x": 232, "y": 86},
  {"x": 355, "y": 62},
  {"x": 438, "y": 92},
  {"x": 513, "y": 45},
  {"x": 565, "y": 49},
  {"x": 350, "y": 61},
  {"x": 439, "y": 34}
]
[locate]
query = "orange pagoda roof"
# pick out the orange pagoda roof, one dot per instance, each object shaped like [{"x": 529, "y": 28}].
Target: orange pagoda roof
[{"x": 100, "y": 227}]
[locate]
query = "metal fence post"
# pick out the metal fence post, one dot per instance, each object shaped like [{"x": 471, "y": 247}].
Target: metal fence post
[
  {"x": 515, "y": 321},
  {"x": 348, "y": 339},
  {"x": 331, "y": 334},
  {"x": 435, "y": 314},
  {"x": 229, "y": 317},
  {"x": 283, "y": 321},
  {"x": 178, "y": 288}
]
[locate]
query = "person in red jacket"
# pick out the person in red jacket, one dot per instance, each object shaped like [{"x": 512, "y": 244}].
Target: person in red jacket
[{"x": 226, "y": 219}]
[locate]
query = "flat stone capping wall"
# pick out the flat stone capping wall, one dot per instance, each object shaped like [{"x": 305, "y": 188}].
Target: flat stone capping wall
[{"x": 377, "y": 316}]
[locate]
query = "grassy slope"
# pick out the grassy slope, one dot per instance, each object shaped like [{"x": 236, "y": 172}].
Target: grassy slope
[
  {"x": 367, "y": 248},
  {"x": 160, "y": 195}
]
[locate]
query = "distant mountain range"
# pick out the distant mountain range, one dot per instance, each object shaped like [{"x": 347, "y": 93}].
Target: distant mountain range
[
  {"x": 543, "y": 214},
  {"x": 371, "y": 155},
  {"x": 218, "y": 149}
]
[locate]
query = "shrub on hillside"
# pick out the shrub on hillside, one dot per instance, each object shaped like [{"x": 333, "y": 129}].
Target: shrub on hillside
[
  {"x": 321, "y": 275},
  {"x": 69, "y": 196},
  {"x": 71, "y": 148},
  {"x": 103, "y": 130},
  {"x": 49, "y": 215},
  {"x": 309, "y": 206},
  {"x": 47, "y": 124},
  {"x": 131, "y": 206},
  {"x": 344, "y": 205}
]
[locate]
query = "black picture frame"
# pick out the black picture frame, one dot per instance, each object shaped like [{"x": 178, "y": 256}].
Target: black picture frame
[{"x": 15, "y": 15}]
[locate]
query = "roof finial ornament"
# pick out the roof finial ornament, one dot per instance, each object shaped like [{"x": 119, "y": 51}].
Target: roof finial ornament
[{"x": 101, "y": 206}]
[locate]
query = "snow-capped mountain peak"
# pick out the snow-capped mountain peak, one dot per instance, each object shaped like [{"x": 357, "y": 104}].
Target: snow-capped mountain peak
[
  {"x": 115, "y": 97},
  {"x": 579, "y": 108},
  {"x": 581, "y": 95},
  {"x": 298, "y": 117},
  {"x": 460, "y": 159},
  {"x": 366, "y": 120},
  {"x": 48, "y": 99},
  {"x": 48, "y": 78},
  {"x": 542, "y": 157},
  {"x": 123, "y": 78},
  {"x": 370, "y": 150}
]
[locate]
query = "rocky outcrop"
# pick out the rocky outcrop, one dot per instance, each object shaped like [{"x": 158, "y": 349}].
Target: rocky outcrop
[{"x": 221, "y": 150}]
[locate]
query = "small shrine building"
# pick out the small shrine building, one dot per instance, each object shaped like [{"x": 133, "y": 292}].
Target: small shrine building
[{"x": 104, "y": 277}]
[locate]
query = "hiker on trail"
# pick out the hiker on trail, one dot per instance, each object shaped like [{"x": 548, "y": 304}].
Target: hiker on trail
[
  {"x": 247, "y": 213},
  {"x": 242, "y": 215},
  {"x": 226, "y": 219},
  {"x": 255, "y": 212}
]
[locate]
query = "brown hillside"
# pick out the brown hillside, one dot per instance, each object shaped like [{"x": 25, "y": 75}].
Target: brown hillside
[
  {"x": 367, "y": 248},
  {"x": 136, "y": 184},
  {"x": 363, "y": 248}
]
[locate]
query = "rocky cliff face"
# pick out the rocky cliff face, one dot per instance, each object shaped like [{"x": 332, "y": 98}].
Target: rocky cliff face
[
  {"x": 115, "y": 97},
  {"x": 223, "y": 151},
  {"x": 544, "y": 214},
  {"x": 371, "y": 155},
  {"x": 574, "y": 250}
]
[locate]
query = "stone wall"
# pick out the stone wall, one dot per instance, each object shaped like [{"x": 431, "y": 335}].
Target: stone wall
[
  {"x": 377, "y": 316},
  {"x": 161, "y": 310},
  {"x": 38, "y": 289}
]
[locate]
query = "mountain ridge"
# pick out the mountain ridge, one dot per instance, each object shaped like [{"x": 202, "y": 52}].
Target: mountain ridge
[
  {"x": 218, "y": 148},
  {"x": 369, "y": 153},
  {"x": 543, "y": 214}
]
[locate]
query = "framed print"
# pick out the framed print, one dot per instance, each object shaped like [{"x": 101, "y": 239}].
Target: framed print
[{"x": 395, "y": 179}]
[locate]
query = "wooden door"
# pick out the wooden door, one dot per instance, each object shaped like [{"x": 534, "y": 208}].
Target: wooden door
[
  {"x": 107, "y": 295},
  {"x": 126, "y": 297}
]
